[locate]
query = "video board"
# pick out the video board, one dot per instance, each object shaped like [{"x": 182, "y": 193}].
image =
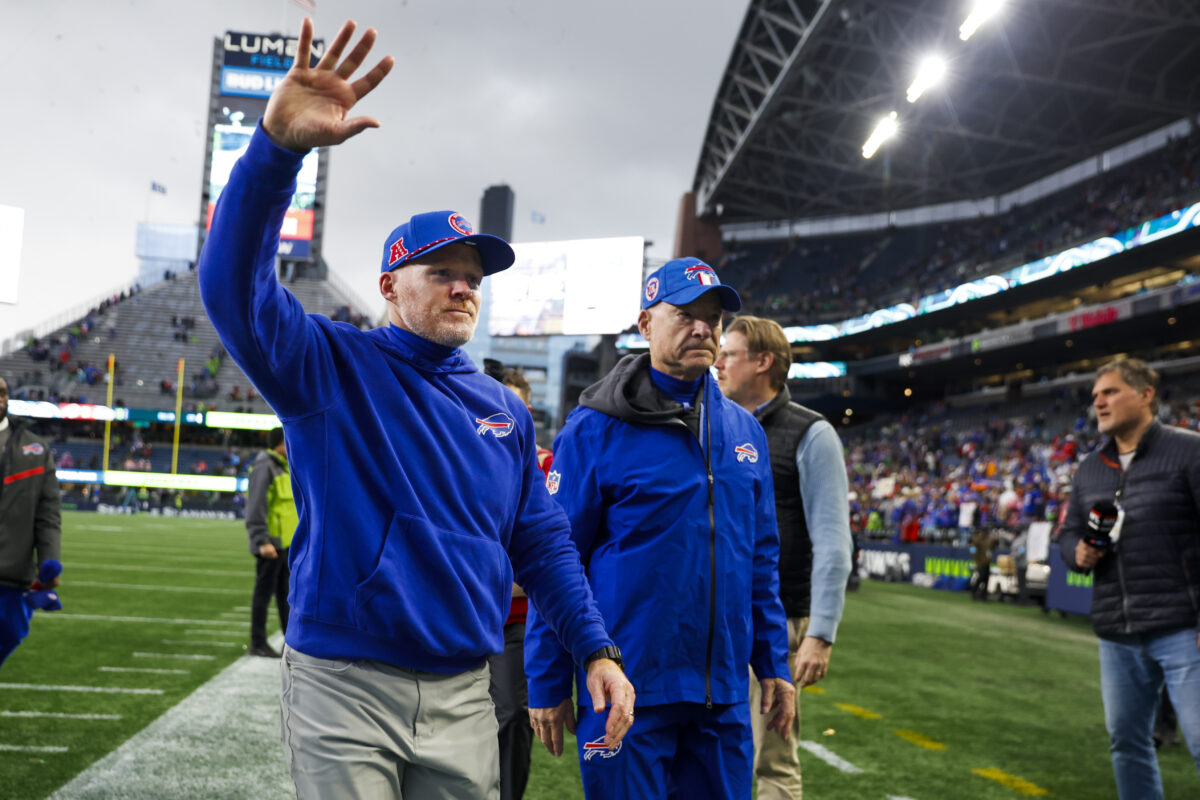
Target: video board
[{"x": 576, "y": 287}]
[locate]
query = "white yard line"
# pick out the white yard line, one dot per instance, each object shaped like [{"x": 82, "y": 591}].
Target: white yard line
[
  {"x": 188, "y": 656},
  {"x": 63, "y": 616},
  {"x": 41, "y": 687},
  {"x": 213, "y": 632},
  {"x": 156, "y": 588},
  {"x": 221, "y": 741},
  {"x": 147, "y": 670},
  {"x": 241, "y": 573},
  {"x": 55, "y": 715},
  {"x": 831, "y": 758},
  {"x": 26, "y": 748},
  {"x": 194, "y": 642}
]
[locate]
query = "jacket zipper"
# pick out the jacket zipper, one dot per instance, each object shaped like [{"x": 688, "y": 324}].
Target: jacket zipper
[
  {"x": 706, "y": 453},
  {"x": 712, "y": 549},
  {"x": 1120, "y": 571}
]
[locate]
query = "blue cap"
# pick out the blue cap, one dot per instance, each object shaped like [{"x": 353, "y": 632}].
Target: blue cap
[
  {"x": 433, "y": 230},
  {"x": 681, "y": 281}
]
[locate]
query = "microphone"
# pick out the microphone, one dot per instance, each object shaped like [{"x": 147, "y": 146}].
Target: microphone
[{"x": 1100, "y": 523}]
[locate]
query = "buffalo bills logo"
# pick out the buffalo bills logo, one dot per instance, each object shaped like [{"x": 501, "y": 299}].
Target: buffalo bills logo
[
  {"x": 499, "y": 425},
  {"x": 651, "y": 289},
  {"x": 460, "y": 224},
  {"x": 35, "y": 449},
  {"x": 398, "y": 252},
  {"x": 746, "y": 452},
  {"x": 599, "y": 748},
  {"x": 552, "y": 481},
  {"x": 702, "y": 273}
]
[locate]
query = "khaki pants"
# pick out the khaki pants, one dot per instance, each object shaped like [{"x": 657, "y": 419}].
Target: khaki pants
[
  {"x": 360, "y": 730},
  {"x": 776, "y": 762}
]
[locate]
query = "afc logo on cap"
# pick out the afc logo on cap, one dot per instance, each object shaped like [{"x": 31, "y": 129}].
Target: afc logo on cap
[
  {"x": 397, "y": 253},
  {"x": 651, "y": 289},
  {"x": 460, "y": 224}
]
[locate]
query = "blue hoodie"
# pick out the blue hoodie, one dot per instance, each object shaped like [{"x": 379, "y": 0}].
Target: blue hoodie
[
  {"x": 690, "y": 595},
  {"x": 413, "y": 513}
]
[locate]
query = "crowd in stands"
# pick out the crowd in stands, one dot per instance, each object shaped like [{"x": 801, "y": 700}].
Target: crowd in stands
[
  {"x": 859, "y": 273},
  {"x": 347, "y": 314},
  {"x": 929, "y": 477}
]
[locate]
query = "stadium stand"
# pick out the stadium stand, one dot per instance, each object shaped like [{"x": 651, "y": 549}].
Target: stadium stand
[
  {"x": 829, "y": 278},
  {"x": 149, "y": 331}
]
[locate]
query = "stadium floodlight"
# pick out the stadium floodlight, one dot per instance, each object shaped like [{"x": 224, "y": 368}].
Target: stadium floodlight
[
  {"x": 929, "y": 74},
  {"x": 885, "y": 130},
  {"x": 981, "y": 12}
]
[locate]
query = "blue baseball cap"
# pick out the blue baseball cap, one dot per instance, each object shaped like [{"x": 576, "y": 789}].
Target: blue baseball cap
[
  {"x": 681, "y": 281},
  {"x": 433, "y": 230}
]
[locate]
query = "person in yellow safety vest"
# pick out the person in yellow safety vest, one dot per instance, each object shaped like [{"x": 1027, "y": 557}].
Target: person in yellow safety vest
[{"x": 271, "y": 520}]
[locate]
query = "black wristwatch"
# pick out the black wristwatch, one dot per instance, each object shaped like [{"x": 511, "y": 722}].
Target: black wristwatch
[{"x": 612, "y": 652}]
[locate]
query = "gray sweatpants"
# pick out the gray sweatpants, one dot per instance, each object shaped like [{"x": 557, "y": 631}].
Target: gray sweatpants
[{"x": 361, "y": 730}]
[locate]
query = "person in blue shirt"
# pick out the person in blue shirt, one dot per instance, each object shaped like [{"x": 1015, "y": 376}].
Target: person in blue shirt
[
  {"x": 668, "y": 488},
  {"x": 812, "y": 501},
  {"x": 416, "y": 479}
]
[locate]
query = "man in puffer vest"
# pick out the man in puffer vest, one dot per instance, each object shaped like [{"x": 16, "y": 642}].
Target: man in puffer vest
[
  {"x": 812, "y": 506},
  {"x": 271, "y": 521},
  {"x": 1134, "y": 520}
]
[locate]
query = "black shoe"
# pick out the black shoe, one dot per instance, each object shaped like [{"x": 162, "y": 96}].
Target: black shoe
[{"x": 264, "y": 651}]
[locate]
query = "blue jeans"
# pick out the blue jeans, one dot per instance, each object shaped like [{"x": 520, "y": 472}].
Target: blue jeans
[{"x": 1133, "y": 669}]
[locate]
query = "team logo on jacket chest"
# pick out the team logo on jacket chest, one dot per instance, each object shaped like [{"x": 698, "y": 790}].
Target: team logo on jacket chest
[
  {"x": 35, "y": 449},
  {"x": 499, "y": 425},
  {"x": 746, "y": 452},
  {"x": 599, "y": 748}
]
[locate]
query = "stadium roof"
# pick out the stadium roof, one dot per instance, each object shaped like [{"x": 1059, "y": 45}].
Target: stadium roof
[{"x": 1044, "y": 85}]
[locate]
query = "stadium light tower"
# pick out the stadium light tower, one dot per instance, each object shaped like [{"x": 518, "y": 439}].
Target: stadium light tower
[
  {"x": 930, "y": 73},
  {"x": 885, "y": 130},
  {"x": 981, "y": 12}
]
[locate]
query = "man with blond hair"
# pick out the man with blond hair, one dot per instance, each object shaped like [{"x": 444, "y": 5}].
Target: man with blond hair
[
  {"x": 813, "y": 509},
  {"x": 416, "y": 479}
]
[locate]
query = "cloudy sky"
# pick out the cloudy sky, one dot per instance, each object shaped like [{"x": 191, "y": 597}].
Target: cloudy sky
[{"x": 593, "y": 112}]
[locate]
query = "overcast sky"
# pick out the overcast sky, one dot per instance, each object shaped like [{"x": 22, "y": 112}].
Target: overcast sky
[{"x": 594, "y": 113}]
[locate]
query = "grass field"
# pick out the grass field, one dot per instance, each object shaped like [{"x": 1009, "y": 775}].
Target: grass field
[{"x": 929, "y": 695}]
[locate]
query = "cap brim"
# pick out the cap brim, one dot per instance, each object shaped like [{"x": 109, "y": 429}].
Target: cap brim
[
  {"x": 730, "y": 300},
  {"x": 494, "y": 253}
]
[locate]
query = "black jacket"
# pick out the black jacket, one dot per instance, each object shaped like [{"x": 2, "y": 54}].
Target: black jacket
[
  {"x": 1151, "y": 582},
  {"x": 786, "y": 424},
  {"x": 29, "y": 506}
]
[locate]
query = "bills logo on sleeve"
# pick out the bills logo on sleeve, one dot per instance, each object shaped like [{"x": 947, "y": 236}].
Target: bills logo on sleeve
[
  {"x": 746, "y": 452},
  {"x": 499, "y": 425},
  {"x": 35, "y": 449},
  {"x": 552, "y": 481},
  {"x": 599, "y": 748}
]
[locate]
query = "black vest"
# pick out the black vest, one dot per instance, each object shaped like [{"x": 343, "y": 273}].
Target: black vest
[{"x": 786, "y": 423}]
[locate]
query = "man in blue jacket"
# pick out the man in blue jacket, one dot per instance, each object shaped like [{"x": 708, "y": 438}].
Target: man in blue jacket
[
  {"x": 668, "y": 488},
  {"x": 417, "y": 485}
]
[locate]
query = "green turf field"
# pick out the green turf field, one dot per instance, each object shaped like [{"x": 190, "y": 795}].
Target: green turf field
[
  {"x": 176, "y": 637},
  {"x": 991, "y": 701}
]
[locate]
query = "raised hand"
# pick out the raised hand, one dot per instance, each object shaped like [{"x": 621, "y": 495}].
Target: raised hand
[{"x": 309, "y": 106}]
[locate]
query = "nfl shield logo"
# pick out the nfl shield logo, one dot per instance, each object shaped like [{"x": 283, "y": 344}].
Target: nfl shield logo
[{"x": 552, "y": 482}]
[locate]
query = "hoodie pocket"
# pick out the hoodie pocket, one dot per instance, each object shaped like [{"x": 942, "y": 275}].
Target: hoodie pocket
[{"x": 440, "y": 588}]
